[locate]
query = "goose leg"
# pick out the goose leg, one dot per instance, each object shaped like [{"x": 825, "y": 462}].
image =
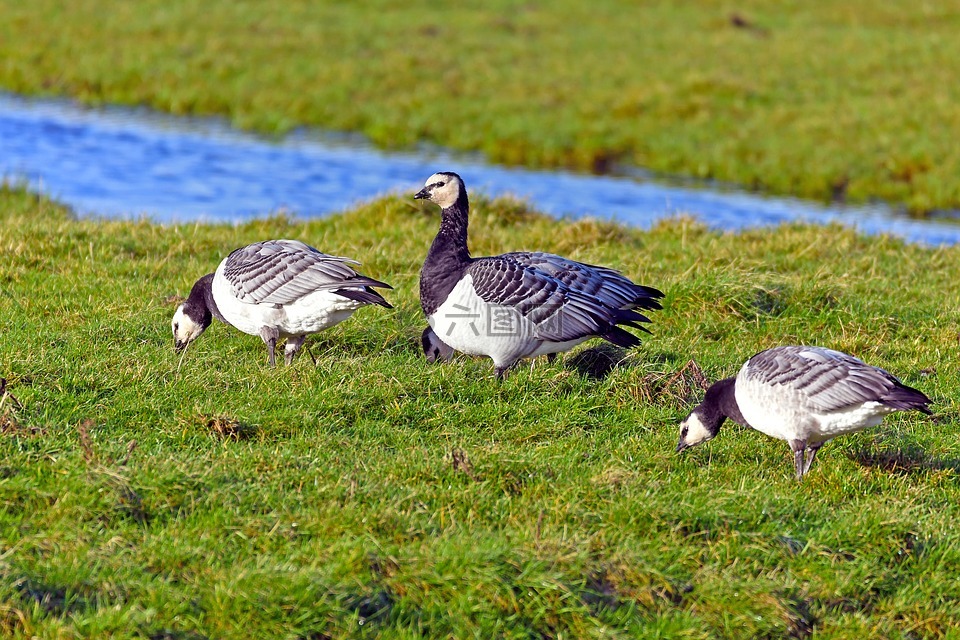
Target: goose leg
[
  {"x": 798, "y": 447},
  {"x": 502, "y": 370},
  {"x": 810, "y": 455},
  {"x": 551, "y": 357},
  {"x": 269, "y": 336},
  {"x": 292, "y": 347}
]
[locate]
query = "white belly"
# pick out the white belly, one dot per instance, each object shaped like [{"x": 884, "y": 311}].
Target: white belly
[
  {"x": 310, "y": 314},
  {"x": 546, "y": 348},
  {"x": 784, "y": 413},
  {"x": 468, "y": 324},
  {"x": 868, "y": 414}
]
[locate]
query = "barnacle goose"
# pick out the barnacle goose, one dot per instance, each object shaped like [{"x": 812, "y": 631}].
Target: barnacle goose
[
  {"x": 516, "y": 305},
  {"x": 804, "y": 395},
  {"x": 276, "y": 289}
]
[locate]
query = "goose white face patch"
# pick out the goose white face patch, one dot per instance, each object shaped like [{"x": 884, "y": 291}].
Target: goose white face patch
[
  {"x": 185, "y": 330},
  {"x": 444, "y": 189},
  {"x": 693, "y": 431}
]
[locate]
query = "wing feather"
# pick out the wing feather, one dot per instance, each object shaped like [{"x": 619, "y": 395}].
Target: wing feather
[
  {"x": 558, "y": 313},
  {"x": 609, "y": 285},
  {"x": 828, "y": 380},
  {"x": 283, "y": 271}
]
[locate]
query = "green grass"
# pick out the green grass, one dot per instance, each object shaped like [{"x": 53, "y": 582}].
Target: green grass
[
  {"x": 853, "y": 100},
  {"x": 373, "y": 495}
]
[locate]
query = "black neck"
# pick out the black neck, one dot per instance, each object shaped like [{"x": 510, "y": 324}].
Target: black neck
[
  {"x": 722, "y": 395},
  {"x": 447, "y": 258},
  {"x": 451, "y": 239},
  {"x": 200, "y": 305}
]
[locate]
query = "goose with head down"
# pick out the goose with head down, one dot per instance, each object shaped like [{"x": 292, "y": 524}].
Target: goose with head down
[
  {"x": 804, "y": 395},
  {"x": 276, "y": 289}
]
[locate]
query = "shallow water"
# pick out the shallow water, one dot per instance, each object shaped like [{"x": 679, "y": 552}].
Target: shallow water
[{"x": 118, "y": 162}]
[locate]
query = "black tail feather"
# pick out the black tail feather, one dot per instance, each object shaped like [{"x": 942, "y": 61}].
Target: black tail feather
[
  {"x": 648, "y": 304},
  {"x": 907, "y": 398},
  {"x": 366, "y": 296},
  {"x": 628, "y": 317},
  {"x": 650, "y": 291},
  {"x": 643, "y": 291},
  {"x": 634, "y": 325},
  {"x": 365, "y": 281},
  {"x": 621, "y": 338}
]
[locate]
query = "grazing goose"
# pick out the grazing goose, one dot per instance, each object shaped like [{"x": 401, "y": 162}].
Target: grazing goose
[
  {"x": 804, "y": 395},
  {"x": 276, "y": 289},
  {"x": 516, "y": 305},
  {"x": 607, "y": 284}
]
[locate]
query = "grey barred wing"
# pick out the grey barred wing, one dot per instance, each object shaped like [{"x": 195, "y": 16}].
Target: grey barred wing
[
  {"x": 609, "y": 285},
  {"x": 828, "y": 380},
  {"x": 557, "y": 313},
  {"x": 283, "y": 271}
]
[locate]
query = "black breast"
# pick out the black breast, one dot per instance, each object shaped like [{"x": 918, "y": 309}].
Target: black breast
[{"x": 437, "y": 279}]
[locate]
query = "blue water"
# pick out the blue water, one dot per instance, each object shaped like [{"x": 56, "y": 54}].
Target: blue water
[{"x": 134, "y": 163}]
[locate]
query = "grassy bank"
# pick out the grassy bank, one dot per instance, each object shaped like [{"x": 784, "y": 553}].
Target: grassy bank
[
  {"x": 818, "y": 99},
  {"x": 372, "y": 495}
]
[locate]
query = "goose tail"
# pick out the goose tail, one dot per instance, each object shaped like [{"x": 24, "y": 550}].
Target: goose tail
[{"x": 906, "y": 398}]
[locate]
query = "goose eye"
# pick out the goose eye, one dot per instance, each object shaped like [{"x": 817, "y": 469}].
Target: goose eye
[{"x": 440, "y": 184}]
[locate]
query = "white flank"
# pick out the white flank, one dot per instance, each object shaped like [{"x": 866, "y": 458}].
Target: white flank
[
  {"x": 312, "y": 313},
  {"x": 784, "y": 413},
  {"x": 470, "y": 325}
]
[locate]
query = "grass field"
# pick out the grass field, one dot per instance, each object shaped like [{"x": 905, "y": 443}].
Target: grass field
[
  {"x": 854, "y": 100},
  {"x": 373, "y": 495}
]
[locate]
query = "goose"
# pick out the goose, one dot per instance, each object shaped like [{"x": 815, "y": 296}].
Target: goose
[
  {"x": 516, "y": 305},
  {"x": 276, "y": 289},
  {"x": 605, "y": 283},
  {"x": 804, "y": 395}
]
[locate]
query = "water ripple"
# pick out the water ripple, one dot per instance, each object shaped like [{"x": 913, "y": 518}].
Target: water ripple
[{"x": 129, "y": 163}]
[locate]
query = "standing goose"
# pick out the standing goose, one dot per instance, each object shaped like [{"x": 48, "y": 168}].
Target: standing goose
[
  {"x": 804, "y": 395},
  {"x": 276, "y": 289},
  {"x": 609, "y": 285},
  {"x": 516, "y": 305}
]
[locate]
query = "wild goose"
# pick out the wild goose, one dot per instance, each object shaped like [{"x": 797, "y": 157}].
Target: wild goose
[
  {"x": 276, "y": 289},
  {"x": 804, "y": 395},
  {"x": 518, "y": 305},
  {"x": 609, "y": 285}
]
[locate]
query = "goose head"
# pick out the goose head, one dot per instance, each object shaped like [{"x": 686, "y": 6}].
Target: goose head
[
  {"x": 705, "y": 420},
  {"x": 443, "y": 188},
  {"x": 697, "y": 428},
  {"x": 434, "y": 348},
  {"x": 193, "y": 316}
]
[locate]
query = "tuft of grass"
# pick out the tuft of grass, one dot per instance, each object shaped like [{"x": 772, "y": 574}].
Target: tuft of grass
[
  {"x": 842, "y": 107},
  {"x": 374, "y": 495},
  {"x": 227, "y": 428}
]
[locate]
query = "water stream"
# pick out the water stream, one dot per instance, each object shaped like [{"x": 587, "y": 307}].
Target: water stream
[{"x": 119, "y": 162}]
